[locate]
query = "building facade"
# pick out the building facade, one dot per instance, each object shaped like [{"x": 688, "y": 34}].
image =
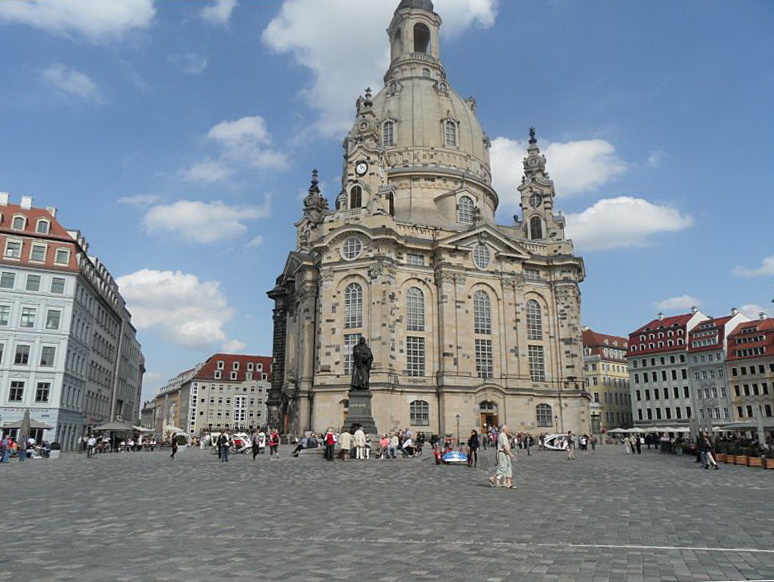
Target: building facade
[
  {"x": 750, "y": 371},
  {"x": 707, "y": 350},
  {"x": 68, "y": 350},
  {"x": 470, "y": 323},
  {"x": 607, "y": 380},
  {"x": 228, "y": 391}
]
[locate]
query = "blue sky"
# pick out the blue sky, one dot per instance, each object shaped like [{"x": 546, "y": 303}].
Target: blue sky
[{"x": 180, "y": 137}]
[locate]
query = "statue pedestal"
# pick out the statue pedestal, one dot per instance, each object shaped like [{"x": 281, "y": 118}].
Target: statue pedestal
[{"x": 360, "y": 411}]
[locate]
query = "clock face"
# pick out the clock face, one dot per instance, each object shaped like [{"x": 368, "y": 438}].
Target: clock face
[
  {"x": 361, "y": 168},
  {"x": 535, "y": 200},
  {"x": 533, "y": 162}
]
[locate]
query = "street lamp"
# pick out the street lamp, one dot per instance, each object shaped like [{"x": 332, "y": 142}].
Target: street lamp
[
  {"x": 556, "y": 424},
  {"x": 458, "y": 429}
]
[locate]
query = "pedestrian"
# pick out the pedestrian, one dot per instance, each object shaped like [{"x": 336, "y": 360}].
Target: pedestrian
[
  {"x": 224, "y": 446},
  {"x": 174, "y": 445},
  {"x": 593, "y": 443},
  {"x": 91, "y": 442},
  {"x": 274, "y": 441},
  {"x": 627, "y": 445},
  {"x": 392, "y": 449},
  {"x": 330, "y": 444},
  {"x": 528, "y": 444},
  {"x": 570, "y": 446},
  {"x": 360, "y": 442},
  {"x": 584, "y": 444},
  {"x": 473, "y": 446},
  {"x": 256, "y": 444},
  {"x": 638, "y": 443},
  {"x": 5, "y": 449},
  {"x": 504, "y": 475},
  {"x": 345, "y": 442}
]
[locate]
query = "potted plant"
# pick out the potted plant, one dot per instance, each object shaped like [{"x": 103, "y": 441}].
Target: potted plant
[
  {"x": 56, "y": 450},
  {"x": 768, "y": 459},
  {"x": 720, "y": 452},
  {"x": 742, "y": 454},
  {"x": 730, "y": 453}
]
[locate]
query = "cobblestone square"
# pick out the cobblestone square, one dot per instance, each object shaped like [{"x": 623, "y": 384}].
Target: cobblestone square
[{"x": 605, "y": 516}]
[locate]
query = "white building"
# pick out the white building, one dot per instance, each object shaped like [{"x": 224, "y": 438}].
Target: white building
[{"x": 68, "y": 351}]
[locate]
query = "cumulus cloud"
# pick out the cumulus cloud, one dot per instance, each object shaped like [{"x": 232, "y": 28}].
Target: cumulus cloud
[
  {"x": 203, "y": 222},
  {"x": 234, "y": 347},
  {"x": 141, "y": 200},
  {"x": 753, "y": 311},
  {"x": 339, "y": 74},
  {"x": 219, "y": 12},
  {"x": 95, "y": 20},
  {"x": 72, "y": 83},
  {"x": 576, "y": 167},
  {"x": 765, "y": 270},
  {"x": 189, "y": 63},
  {"x": 681, "y": 303},
  {"x": 208, "y": 172},
  {"x": 623, "y": 222},
  {"x": 187, "y": 311},
  {"x": 255, "y": 242}
]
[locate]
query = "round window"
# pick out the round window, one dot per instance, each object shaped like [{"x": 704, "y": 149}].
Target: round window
[
  {"x": 481, "y": 256},
  {"x": 352, "y": 248}
]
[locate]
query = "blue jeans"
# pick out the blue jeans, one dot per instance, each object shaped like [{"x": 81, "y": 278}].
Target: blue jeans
[
  {"x": 704, "y": 459},
  {"x": 224, "y": 453}
]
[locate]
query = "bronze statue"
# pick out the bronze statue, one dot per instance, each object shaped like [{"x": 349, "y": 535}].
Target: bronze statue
[{"x": 362, "y": 358}]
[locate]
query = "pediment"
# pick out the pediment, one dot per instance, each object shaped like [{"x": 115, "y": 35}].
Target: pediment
[
  {"x": 296, "y": 260},
  {"x": 494, "y": 238}
]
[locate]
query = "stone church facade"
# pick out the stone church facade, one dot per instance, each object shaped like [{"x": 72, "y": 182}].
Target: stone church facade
[{"x": 470, "y": 323}]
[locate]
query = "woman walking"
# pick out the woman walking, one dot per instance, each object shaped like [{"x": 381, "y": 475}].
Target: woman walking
[{"x": 473, "y": 446}]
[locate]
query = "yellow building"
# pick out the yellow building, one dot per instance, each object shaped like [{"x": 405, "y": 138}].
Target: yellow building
[{"x": 607, "y": 380}]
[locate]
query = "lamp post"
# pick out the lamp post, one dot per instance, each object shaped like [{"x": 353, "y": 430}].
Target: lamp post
[
  {"x": 458, "y": 429},
  {"x": 556, "y": 424}
]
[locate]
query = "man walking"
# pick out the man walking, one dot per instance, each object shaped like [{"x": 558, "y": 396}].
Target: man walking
[
  {"x": 570, "y": 446},
  {"x": 504, "y": 475},
  {"x": 224, "y": 446}
]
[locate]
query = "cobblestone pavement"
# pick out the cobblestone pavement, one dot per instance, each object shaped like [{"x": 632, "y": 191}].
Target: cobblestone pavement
[{"x": 605, "y": 516}]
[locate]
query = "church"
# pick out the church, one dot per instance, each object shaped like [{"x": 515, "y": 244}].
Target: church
[{"x": 471, "y": 323}]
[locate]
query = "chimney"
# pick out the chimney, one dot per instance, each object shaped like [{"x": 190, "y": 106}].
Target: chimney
[
  {"x": 694, "y": 309},
  {"x": 734, "y": 311},
  {"x": 51, "y": 210},
  {"x": 3, "y": 198},
  {"x": 660, "y": 316},
  {"x": 26, "y": 202},
  {"x": 762, "y": 316}
]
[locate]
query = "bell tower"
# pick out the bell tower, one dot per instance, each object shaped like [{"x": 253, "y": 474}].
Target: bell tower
[{"x": 414, "y": 48}]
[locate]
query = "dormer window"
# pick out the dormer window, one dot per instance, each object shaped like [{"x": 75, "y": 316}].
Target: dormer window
[
  {"x": 465, "y": 210},
  {"x": 388, "y": 133},
  {"x": 221, "y": 364},
  {"x": 235, "y": 366},
  {"x": 450, "y": 133},
  {"x": 43, "y": 227},
  {"x": 19, "y": 222}
]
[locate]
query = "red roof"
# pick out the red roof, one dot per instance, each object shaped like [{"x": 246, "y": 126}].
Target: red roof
[
  {"x": 709, "y": 334},
  {"x": 665, "y": 334},
  {"x": 751, "y": 339},
  {"x": 598, "y": 341},
  {"x": 260, "y": 365}
]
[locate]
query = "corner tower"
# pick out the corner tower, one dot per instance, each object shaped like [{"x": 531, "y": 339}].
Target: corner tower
[{"x": 467, "y": 320}]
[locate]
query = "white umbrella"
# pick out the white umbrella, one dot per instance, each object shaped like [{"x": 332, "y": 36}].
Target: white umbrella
[{"x": 142, "y": 429}]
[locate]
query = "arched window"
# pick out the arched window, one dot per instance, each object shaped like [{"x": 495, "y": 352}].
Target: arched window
[
  {"x": 353, "y": 306},
  {"x": 535, "y": 228},
  {"x": 19, "y": 222},
  {"x": 535, "y": 321},
  {"x": 465, "y": 210},
  {"x": 421, "y": 38},
  {"x": 450, "y": 133},
  {"x": 397, "y": 43},
  {"x": 543, "y": 413},
  {"x": 482, "y": 313},
  {"x": 415, "y": 309},
  {"x": 355, "y": 197},
  {"x": 419, "y": 413},
  {"x": 388, "y": 133},
  {"x": 43, "y": 226},
  {"x": 390, "y": 199}
]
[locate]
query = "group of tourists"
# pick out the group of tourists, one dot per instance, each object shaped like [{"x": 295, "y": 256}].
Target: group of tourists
[{"x": 31, "y": 449}]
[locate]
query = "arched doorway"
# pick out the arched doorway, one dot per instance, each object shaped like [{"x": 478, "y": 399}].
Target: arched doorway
[{"x": 489, "y": 416}]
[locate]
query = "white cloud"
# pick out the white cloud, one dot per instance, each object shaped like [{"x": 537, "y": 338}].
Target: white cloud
[
  {"x": 208, "y": 172},
  {"x": 657, "y": 158},
  {"x": 339, "y": 73},
  {"x": 141, "y": 200},
  {"x": 765, "y": 270},
  {"x": 96, "y": 20},
  {"x": 73, "y": 83},
  {"x": 576, "y": 167},
  {"x": 185, "y": 310},
  {"x": 189, "y": 63},
  {"x": 681, "y": 303},
  {"x": 234, "y": 347},
  {"x": 753, "y": 311},
  {"x": 623, "y": 222},
  {"x": 203, "y": 222},
  {"x": 219, "y": 12},
  {"x": 256, "y": 241}
]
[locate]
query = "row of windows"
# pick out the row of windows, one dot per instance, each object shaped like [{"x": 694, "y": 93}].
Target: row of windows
[
  {"x": 714, "y": 413},
  {"x": 23, "y": 352},
  {"x": 711, "y": 392},
  {"x": 751, "y": 370},
  {"x": 217, "y": 374},
  {"x": 419, "y": 413},
  {"x": 614, "y": 398},
  {"x": 662, "y": 361},
  {"x": 653, "y": 346},
  {"x": 33, "y": 283},
  {"x": 42, "y": 226},
  {"x": 449, "y": 133},
  {"x": 38, "y": 252},
  {"x": 753, "y": 390},
  {"x": 618, "y": 418},
  {"x": 747, "y": 411},
  {"x": 665, "y": 413},
  {"x": 654, "y": 376},
  {"x": 220, "y": 365},
  {"x": 228, "y": 388},
  {"x": 16, "y": 391},
  {"x": 28, "y": 317},
  {"x": 657, "y": 393}
]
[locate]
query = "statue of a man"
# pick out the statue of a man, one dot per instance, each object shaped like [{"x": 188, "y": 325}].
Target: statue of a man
[{"x": 362, "y": 358}]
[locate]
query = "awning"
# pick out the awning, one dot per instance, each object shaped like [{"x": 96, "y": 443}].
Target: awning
[
  {"x": 115, "y": 426},
  {"x": 34, "y": 424}
]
